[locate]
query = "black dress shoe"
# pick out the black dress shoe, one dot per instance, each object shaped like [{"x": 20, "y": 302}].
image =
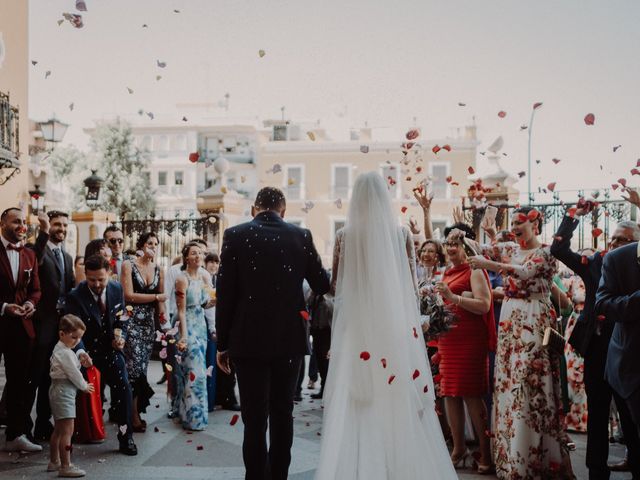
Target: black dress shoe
[
  {"x": 297, "y": 397},
  {"x": 234, "y": 407},
  {"x": 128, "y": 447},
  {"x": 162, "y": 380}
]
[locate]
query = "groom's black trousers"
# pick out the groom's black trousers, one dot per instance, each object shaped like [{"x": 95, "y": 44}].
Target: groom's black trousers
[
  {"x": 266, "y": 390},
  {"x": 599, "y": 395}
]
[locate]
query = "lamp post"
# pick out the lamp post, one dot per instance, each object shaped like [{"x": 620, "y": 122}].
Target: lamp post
[
  {"x": 53, "y": 131},
  {"x": 37, "y": 200},
  {"x": 93, "y": 183},
  {"x": 530, "y": 130}
]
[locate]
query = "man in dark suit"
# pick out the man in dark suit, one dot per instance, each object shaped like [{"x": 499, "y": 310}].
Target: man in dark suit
[
  {"x": 19, "y": 295},
  {"x": 55, "y": 271},
  {"x": 618, "y": 299},
  {"x": 590, "y": 338},
  {"x": 99, "y": 303},
  {"x": 262, "y": 325}
]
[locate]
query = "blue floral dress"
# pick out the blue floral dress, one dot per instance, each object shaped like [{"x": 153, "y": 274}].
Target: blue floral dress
[{"x": 191, "y": 388}]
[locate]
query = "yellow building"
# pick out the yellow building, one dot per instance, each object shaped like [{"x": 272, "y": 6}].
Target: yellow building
[
  {"x": 14, "y": 86},
  {"x": 317, "y": 174}
]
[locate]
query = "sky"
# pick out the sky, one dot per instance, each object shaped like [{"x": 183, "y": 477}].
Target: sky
[{"x": 346, "y": 62}]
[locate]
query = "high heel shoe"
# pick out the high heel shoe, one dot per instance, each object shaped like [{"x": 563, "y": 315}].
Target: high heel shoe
[{"x": 460, "y": 461}]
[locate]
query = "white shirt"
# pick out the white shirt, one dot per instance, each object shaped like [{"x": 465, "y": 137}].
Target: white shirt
[
  {"x": 65, "y": 365},
  {"x": 14, "y": 258}
]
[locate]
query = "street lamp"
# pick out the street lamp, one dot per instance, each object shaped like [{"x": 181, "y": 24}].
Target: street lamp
[
  {"x": 93, "y": 183},
  {"x": 37, "y": 200},
  {"x": 53, "y": 131},
  {"x": 536, "y": 106}
]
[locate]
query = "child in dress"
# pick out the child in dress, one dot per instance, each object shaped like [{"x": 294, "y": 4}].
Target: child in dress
[{"x": 66, "y": 380}]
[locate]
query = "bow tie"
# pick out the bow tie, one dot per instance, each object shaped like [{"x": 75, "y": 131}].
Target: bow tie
[{"x": 11, "y": 246}]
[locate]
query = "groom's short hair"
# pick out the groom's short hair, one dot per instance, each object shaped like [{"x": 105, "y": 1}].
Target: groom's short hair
[{"x": 270, "y": 198}]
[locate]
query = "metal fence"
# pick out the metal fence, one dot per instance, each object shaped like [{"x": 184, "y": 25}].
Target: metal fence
[
  {"x": 605, "y": 217},
  {"x": 174, "y": 233}
]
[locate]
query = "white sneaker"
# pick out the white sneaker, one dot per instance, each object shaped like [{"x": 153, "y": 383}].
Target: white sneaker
[
  {"x": 71, "y": 472},
  {"x": 53, "y": 467},
  {"x": 21, "y": 444}
]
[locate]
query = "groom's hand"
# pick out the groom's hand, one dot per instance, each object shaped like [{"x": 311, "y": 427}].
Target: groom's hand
[{"x": 222, "y": 358}]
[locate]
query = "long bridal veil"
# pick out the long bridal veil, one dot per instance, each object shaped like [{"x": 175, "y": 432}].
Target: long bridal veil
[{"x": 379, "y": 416}]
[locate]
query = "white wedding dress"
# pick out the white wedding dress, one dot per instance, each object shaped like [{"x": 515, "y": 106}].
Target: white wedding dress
[{"x": 379, "y": 413}]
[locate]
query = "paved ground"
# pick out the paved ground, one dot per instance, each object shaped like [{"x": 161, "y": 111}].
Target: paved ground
[{"x": 171, "y": 453}]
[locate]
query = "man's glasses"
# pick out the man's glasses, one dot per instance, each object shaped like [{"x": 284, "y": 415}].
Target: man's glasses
[{"x": 113, "y": 241}]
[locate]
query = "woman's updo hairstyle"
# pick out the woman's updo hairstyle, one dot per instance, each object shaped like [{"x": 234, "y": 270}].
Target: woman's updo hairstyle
[{"x": 185, "y": 253}]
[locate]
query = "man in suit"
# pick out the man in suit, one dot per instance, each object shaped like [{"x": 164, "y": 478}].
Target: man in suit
[
  {"x": 590, "y": 338},
  {"x": 19, "y": 295},
  {"x": 55, "y": 272},
  {"x": 618, "y": 300},
  {"x": 99, "y": 303},
  {"x": 262, "y": 327},
  {"x": 115, "y": 239}
]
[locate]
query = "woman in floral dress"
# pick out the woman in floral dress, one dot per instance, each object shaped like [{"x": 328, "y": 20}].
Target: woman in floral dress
[
  {"x": 192, "y": 296},
  {"x": 529, "y": 439},
  {"x": 143, "y": 285},
  {"x": 576, "y": 419}
]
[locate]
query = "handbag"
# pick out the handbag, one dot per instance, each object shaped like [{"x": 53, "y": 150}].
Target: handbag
[
  {"x": 89, "y": 426},
  {"x": 553, "y": 340}
]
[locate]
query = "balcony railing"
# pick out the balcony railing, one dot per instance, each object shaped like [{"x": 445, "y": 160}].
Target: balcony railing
[{"x": 9, "y": 139}]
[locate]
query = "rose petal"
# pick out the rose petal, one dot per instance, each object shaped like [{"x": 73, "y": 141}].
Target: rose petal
[
  {"x": 551, "y": 187},
  {"x": 234, "y": 419},
  {"x": 589, "y": 119},
  {"x": 365, "y": 355},
  {"x": 384, "y": 362},
  {"x": 391, "y": 379},
  {"x": 471, "y": 170},
  {"x": 502, "y": 114},
  {"x": 596, "y": 232},
  {"x": 416, "y": 374}
]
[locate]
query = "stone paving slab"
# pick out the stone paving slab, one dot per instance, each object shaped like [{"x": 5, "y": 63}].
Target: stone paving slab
[{"x": 172, "y": 453}]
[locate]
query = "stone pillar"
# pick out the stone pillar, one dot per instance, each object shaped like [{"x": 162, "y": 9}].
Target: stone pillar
[{"x": 90, "y": 225}]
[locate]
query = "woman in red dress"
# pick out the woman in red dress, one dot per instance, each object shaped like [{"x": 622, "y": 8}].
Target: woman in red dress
[{"x": 464, "y": 350}]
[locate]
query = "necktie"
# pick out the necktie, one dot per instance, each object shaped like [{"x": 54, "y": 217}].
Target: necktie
[
  {"x": 11, "y": 246},
  {"x": 59, "y": 258},
  {"x": 102, "y": 306}
]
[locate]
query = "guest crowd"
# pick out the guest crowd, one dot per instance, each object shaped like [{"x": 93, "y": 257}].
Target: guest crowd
[{"x": 542, "y": 344}]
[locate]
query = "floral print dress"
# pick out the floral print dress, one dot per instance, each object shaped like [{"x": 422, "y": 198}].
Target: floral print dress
[
  {"x": 140, "y": 337},
  {"x": 191, "y": 388},
  {"x": 529, "y": 440},
  {"x": 576, "y": 419}
]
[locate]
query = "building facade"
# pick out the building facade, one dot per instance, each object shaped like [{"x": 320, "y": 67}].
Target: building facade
[{"x": 14, "y": 87}]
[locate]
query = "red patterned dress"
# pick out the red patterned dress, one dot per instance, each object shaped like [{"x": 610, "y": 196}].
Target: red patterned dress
[
  {"x": 464, "y": 350},
  {"x": 529, "y": 438}
]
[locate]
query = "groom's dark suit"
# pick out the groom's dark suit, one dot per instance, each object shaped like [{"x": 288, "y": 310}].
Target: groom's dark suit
[
  {"x": 618, "y": 298},
  {"x": 259, "y": 322}
]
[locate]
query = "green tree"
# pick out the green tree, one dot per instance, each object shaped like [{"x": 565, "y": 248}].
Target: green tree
[{"x": 126, "y": 190}]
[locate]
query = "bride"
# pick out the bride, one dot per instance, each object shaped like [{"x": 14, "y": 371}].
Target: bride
[{"x": 379, "y": 416}]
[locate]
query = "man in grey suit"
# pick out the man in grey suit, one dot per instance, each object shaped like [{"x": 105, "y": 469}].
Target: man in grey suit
[{"x": 618, "y": 299}]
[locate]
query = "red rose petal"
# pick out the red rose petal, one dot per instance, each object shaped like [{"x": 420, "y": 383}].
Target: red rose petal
[
  {"x": 502, "y": 114},
  {"x": 234, "y": 419},
  {"x": 446, "y": 147},
  {"x": 455, "y": 184},
  {"x": 391, "y": 379},
  {"x": 437, "y": 378},
  {"x": 418, "y": 169},
  {"x": 614, "y": 186},
  {"x": 551, "y": 187},
  {"x": 596, "y": 232},
  {"x": 365, "y": 355},
  {"x": 537, "y": 105},
  {"x": 449, "y": 178},
  {"x": 622, "y": 181},
  {"x": 192, "y": 376},
  {"x": 305, "y": 315},
  {"x": 416, "y": 374},
  {"x": 584, "y": 260},
  {"x": 194, "y": 157},
  {"x": 435, "y": 149},
  {"x": 412, "y": 134},
  {"x": 589, "y": 119},
  {"x": 555, "y": 160},
  {"x": 384, "y": 362},
  {"x": 403, "y": 209},
  {"x": 415, "y": 332},
  {"x": 471, "y": 170},
  {"x": 200, "y": 447},
  {"x": 425, "y": 389},
  {"x": 601, "y": 318},
  {"x": 635, "y": 171}
]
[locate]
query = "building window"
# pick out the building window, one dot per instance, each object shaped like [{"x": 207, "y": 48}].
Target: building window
[
  {"x": 178, "y": 143},
  {"x": 178, "y": 178},
  {"x": 279, "y": 133},
  {"x": 391, "y": 175},
  {"x": 229, "y": 144},
  {"x": 161, "y": 143},
  {"x": 162, "y": 179},
  {"x": 341, "y": 181},
  {"x": 294, "y": 182},
  {"x": 439, "y": 185},
  {"x": 145, "y": 144}
]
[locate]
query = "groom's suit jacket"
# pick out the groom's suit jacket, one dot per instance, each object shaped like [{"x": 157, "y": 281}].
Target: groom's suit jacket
[
  {"x": 618, "y": 298},
  {"x": 260, "y": 309}
]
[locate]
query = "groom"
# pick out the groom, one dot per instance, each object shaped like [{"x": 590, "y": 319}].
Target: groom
[{"x": 262, "y": 326}]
